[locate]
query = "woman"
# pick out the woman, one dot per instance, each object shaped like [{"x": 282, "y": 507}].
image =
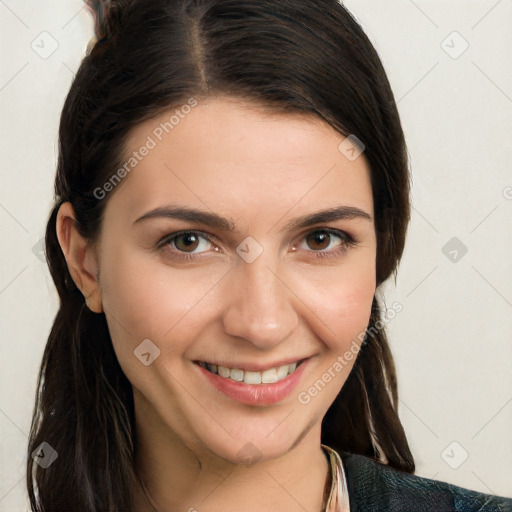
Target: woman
[{"x": 232, "y": 189}]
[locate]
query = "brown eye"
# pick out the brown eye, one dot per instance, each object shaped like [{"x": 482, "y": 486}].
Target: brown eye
[
  {"x": 319, "y": 240},
  {"x": 186, "y": 242},
  {"x": 322, "y": 242},
  {"x": 189, "y": 242}
]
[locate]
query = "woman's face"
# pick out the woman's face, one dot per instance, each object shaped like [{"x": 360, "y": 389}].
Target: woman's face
[{"x": 258, "y": 290}]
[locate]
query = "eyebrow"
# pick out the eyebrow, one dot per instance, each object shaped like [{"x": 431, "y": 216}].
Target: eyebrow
[{"x": 226, "y": 224}]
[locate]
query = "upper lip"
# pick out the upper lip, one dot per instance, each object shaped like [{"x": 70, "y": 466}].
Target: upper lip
[{"x": 255, "y": 367}]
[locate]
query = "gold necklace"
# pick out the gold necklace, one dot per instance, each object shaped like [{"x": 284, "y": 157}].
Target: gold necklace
[{"x": 338, "y": 494}]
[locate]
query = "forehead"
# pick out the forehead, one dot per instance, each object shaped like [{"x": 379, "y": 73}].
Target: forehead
[{"x": 233, "y": 157}]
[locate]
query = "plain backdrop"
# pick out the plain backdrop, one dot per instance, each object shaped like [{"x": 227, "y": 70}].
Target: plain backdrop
[{"x": 450, "y": 66}]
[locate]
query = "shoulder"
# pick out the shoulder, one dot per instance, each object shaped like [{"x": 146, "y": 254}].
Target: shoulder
[{"x": 374, "y": 486}]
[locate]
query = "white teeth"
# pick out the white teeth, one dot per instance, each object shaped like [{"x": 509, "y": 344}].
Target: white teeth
[
  {"x": 269, "y": 376},
  {"x": 266, "y": 377},
  {"x": 282, "y": 371},
  {"x": 223, "y": 371},
  {"x": 237, "y": 374},
  {"x": 251, "y": 377}
]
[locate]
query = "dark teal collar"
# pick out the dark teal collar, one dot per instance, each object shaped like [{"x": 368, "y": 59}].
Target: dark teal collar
[{"x": 376, "y": 487}]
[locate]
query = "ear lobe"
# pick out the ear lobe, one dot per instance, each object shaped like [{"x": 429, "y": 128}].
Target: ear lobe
[{"x": 80, "y": 257}]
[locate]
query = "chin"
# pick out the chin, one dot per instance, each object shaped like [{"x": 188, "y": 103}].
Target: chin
[{"x": 262, "y": 440}]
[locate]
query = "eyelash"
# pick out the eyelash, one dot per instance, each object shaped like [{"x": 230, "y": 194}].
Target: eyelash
[{"x": 346, "y": 239}]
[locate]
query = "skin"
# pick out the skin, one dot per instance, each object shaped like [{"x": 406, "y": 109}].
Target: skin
[{"x": 261, "y": 170}]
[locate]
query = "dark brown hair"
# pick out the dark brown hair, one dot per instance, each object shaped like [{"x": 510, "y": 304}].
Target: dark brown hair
[{"x": 291, "y": 56}]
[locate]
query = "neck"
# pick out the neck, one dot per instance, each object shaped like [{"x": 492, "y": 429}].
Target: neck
[{"x": 181, "y": 477}]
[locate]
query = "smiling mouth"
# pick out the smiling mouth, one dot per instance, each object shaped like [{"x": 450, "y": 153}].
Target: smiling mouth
[{"x": 270, "y": 376}]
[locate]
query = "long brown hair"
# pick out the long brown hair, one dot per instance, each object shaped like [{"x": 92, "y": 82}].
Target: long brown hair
[{"x": 150, "y": 56}]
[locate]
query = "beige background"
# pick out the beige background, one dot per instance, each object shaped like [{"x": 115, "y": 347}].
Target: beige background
[{"x": 452, "y": 341}]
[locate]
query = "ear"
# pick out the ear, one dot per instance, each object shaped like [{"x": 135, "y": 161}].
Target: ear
[{"x": 81, "y": 259}]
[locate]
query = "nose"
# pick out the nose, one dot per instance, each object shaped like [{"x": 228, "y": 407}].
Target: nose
[{"x": 260, "y": 305}]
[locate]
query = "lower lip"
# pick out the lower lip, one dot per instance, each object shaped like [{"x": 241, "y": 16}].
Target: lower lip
[{"x": 255, "y": 394}]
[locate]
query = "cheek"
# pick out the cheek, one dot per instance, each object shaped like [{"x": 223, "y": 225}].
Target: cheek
[
  {"x": 342, "y": 302},
  {"x": 342, "y": 311},
  {"x": 145, "y": 299}
]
